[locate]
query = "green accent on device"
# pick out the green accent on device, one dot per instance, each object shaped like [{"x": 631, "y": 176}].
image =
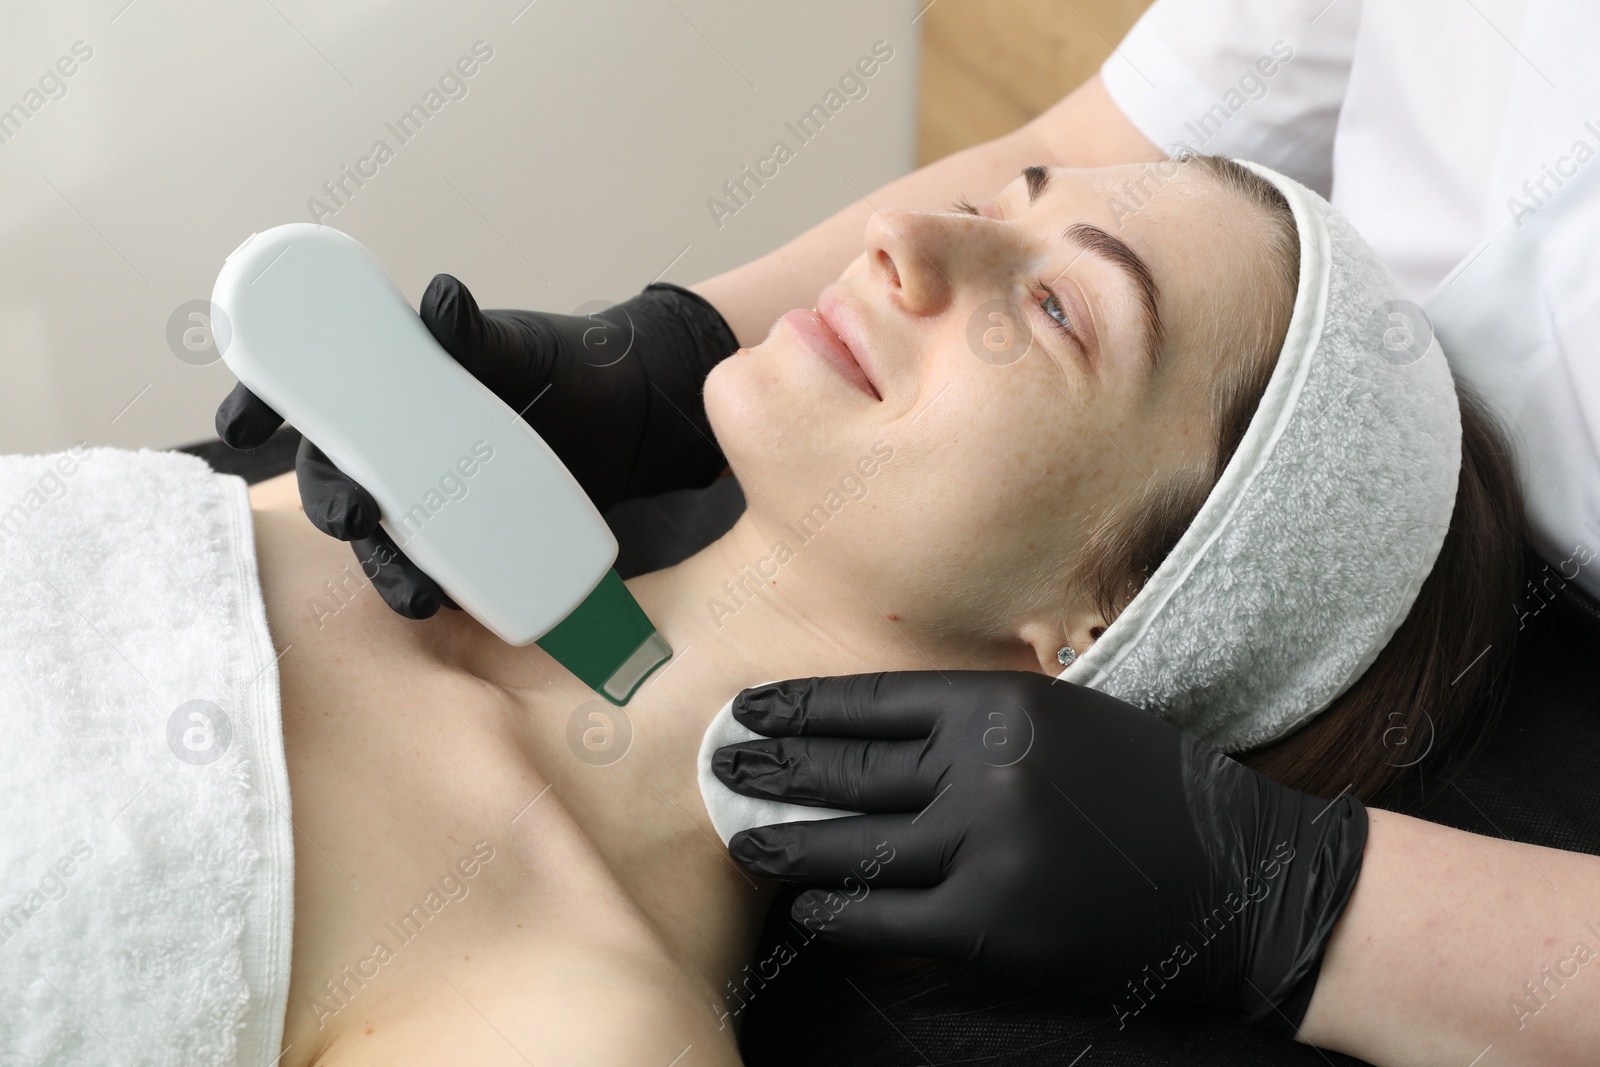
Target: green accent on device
[{"x": 608, "y": 641}]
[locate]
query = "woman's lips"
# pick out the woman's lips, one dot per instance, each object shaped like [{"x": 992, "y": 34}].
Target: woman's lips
[{"x": 819, "y": 337}]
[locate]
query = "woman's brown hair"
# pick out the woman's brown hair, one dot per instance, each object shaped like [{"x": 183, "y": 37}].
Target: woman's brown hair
[{"x": 1433, "y": 692}]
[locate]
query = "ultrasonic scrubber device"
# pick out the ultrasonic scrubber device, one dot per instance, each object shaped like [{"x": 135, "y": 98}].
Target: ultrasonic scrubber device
[{"x": 306, "y": 318}]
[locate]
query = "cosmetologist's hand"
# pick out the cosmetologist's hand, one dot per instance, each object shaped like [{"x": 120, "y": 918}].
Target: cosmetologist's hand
[
  {"x": 615, "y": 393},
  {"x": 1046, "y": 831}
]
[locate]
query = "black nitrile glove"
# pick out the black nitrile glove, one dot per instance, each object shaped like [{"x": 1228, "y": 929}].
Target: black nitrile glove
[
  {"x": 616, "y": 395},
  {"x": 1047, "y": 831}
]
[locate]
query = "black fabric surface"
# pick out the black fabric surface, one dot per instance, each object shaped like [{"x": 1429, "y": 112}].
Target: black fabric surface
[
  {"x": 1536, "y": 780},
  {"x": 273, "y": 458}
]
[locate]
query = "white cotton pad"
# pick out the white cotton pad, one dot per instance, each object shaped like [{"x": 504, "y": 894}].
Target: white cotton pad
[{"x": 731, "y": 812}]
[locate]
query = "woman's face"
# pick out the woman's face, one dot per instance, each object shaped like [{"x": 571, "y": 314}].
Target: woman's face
[{"x": 1007, "y": 390}]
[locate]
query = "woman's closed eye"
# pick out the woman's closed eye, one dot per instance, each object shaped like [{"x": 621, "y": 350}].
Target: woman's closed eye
[{"x": 1064, "y": 323}]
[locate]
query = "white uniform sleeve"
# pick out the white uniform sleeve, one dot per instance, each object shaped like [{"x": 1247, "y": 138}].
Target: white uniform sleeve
[{"x": 1259, "y": 79}]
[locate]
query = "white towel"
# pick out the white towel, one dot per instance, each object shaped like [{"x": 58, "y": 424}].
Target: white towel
[{"x": 146, "y": 855}]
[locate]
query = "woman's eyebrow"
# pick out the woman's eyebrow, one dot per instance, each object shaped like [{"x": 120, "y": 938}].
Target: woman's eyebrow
[
  {"x": 1092, "y": 238},
  {"x": 1114, "y": 250},
  {"x": 1038, "y": 181}
]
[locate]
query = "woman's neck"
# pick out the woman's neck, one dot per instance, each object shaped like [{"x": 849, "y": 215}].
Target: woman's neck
[{"x": 737, "y": 615}]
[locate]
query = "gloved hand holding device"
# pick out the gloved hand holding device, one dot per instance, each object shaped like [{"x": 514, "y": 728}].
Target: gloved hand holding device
[
  {"x": 1049, "y": 832},
  {"x": 616, "y": 394}
]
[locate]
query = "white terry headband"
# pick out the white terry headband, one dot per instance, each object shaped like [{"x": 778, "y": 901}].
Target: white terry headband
[{"x": 1310, "y": 549}]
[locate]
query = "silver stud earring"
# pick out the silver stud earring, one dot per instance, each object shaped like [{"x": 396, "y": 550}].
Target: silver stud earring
[{"x": 1066, "y": 655}]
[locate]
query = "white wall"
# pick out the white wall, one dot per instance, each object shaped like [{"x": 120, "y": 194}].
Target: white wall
[{"x": 577, "y": 166}]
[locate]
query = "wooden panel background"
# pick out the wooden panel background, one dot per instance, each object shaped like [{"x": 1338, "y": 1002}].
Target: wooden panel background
[{"x": 988, "y": 66}]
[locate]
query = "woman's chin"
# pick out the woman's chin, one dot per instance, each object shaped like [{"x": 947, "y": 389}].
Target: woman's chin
[
  {"x": 733, "y": 406},
  {"x": 776, "y": 426}
]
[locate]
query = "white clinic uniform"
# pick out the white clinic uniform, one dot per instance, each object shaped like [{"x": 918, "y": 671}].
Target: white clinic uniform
[{"x": 1463, "y": 140}]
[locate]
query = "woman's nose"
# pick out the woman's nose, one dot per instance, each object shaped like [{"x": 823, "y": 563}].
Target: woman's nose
[{"x": 915, "y": 254}]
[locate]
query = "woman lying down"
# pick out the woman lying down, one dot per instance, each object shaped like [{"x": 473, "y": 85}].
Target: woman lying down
[{"x": 251, "y": 812}]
